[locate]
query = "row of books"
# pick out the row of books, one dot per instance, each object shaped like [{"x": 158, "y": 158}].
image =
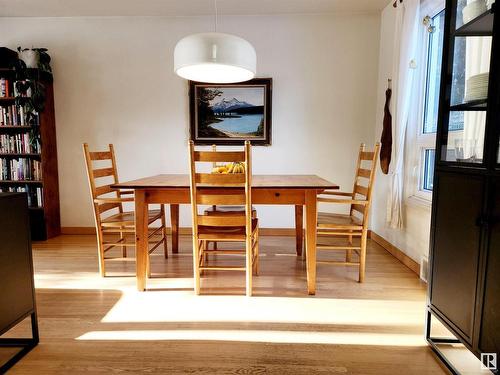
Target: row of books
[
  {"x": 21, "y": 169},
  {"x": 13, "y": 115},
  {"x": 35, "y": 194},
  {"x": 23, "y": 143},
  {"x": 5, "y": 88}
]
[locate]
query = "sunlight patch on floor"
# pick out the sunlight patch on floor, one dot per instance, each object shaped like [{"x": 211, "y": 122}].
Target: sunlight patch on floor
[
  {"x": 187, "y": 307},
  {"x": 289, "y": 337},
  {"x": 92, "y": 281}
]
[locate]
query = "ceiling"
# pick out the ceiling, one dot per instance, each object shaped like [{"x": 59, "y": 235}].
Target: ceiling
[{"x": 176, "y": 8}]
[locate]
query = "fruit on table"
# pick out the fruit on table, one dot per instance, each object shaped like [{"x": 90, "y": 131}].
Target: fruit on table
[{"x": 236, "y": 167}]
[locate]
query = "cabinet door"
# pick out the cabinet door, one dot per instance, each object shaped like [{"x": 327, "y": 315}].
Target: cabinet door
[
  {"x": 16, "y": 270},
  {"x": 489, "y": 340},
  {"x": 456, "y": 248}
]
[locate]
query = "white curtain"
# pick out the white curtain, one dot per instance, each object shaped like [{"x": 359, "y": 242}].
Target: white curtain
[{"x": 406, "y": 50}]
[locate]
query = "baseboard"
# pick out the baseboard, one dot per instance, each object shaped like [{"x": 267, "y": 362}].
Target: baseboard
[
  {"x": 185, "y": 231},
  {"x": 77, "y": 230},
  {"x": 396, "y": 252}
]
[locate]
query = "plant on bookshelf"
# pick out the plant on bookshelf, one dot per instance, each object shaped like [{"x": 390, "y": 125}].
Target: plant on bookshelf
[{"x": 28, "y": 156}]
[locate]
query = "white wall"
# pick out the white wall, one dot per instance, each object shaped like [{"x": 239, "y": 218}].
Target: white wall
[
  {"x": 114, "y": 84},
  {"x": 413, "y": 239}
]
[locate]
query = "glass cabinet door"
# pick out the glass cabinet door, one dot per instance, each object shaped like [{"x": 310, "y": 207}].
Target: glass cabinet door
[{"x": 464, "y": 128}]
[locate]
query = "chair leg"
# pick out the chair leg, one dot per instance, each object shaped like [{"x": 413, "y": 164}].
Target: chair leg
[
  {"x": 100, "y": 252},
  {"x": 348, "y": 253},
  {"x": 256, "y": 259},
  {"x": 206, "y": 244},
  {"x": 148, "y": 266},
  {"x": 362, "y": 256},
  {"x": 203, "y": 255},
  {"x": 164, "y": 230},
  {"x": 124, "y": 248},
  {"x": 196, "y": 265},
  {"x": 249, "y": 265}
]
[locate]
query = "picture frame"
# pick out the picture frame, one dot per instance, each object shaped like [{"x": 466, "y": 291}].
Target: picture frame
[{"x": 231, "y": 113}]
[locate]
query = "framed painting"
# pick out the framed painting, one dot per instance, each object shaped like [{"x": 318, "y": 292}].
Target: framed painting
[{"x": 229, "y": 114}]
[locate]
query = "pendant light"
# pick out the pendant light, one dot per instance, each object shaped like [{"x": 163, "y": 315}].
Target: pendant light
[{"x": 215, "y": 57}]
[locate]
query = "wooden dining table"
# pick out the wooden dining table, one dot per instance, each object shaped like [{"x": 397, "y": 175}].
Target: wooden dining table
[{"x": 173, "y": 189}]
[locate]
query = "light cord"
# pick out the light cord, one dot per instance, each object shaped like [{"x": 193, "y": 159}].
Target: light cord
[{"x": 215, "y": 5}]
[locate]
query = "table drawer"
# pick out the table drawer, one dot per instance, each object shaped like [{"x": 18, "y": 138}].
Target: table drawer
[{"x": 278, "y": 196}]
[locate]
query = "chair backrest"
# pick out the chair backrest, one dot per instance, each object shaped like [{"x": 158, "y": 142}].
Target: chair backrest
[
  {"x": 100, "y": 179},
  {"x": 221, "y": 189},
  {"x": 363, "y": 181}
]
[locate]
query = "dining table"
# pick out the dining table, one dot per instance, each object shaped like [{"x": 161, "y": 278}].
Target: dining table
[{"x": 174, "y": 189}]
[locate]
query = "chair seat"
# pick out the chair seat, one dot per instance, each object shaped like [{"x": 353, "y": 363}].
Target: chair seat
[
  {"x": 225, "y": 233},
  {"x": 228, "y": 210},
  {"x": 330, "y": 220},
  {"x": 128, "y": 218}
]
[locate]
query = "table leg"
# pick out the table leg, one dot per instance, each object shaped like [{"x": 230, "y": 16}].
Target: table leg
[
  {"x": 299, "y": 229},
  {"x": 311, "y": 223},
  {"x": 174, "y": 220},
  {"x": 141, "y": 238}
]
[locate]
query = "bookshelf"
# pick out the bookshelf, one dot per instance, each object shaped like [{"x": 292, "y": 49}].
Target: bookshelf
[{"x": 28, "y": 153}]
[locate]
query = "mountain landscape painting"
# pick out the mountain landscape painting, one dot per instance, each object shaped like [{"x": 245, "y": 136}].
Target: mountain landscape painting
[{"x": 231, "y": 113}]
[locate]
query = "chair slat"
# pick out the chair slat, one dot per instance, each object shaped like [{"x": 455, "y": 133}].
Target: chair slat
[
  {"x": 230, "y": 179},
  {"x": 218, "y": 156},
  {"x": 358, "y": 189},
  {"x": 221, "y": 199},
  {"x": 104, "y": 172},
  {"x": 107, "y": 206},
  {"x": 366, "y": 173},
  {"x": 221, "y": 221},
  {"x": 359, "y": 208},
  {"x": 105, "y": 189},
  {"x": 367, "y": 155},
  {"x": 100, "y": 155}
]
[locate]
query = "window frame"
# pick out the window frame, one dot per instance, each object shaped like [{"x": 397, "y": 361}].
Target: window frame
[{"x": 419, "y": 141}]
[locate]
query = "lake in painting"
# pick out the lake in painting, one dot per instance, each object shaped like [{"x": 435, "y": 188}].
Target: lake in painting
[{"x": 244, "y": 124}]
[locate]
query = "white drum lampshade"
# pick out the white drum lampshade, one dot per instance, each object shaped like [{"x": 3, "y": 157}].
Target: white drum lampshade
[{"x": 215, "y": 58}]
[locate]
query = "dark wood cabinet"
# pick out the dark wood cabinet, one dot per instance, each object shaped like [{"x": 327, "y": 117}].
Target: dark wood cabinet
[
  {"x": 455, "y": 263},
  {"x": 17, "y": 290},
  {"x": 489, "y": 340},
  {"x": 464, "y": 282}
]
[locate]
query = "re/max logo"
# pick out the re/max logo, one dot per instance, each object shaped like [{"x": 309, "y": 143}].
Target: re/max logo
[{"x": 489, "y": 361}]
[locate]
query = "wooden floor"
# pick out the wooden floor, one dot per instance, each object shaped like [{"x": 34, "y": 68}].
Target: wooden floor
[{"x": 104, "y": 326}]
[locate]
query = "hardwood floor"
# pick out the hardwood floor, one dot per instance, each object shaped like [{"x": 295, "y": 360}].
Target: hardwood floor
[{"x": 101, "y": 326}]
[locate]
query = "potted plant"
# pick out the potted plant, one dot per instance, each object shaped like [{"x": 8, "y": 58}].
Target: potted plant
[{"x": 35, "y": 58}]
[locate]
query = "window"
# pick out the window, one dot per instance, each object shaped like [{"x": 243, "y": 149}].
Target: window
[
  {"x": 426, "y": 130},
  {"x": 433, "y": 76},
  {"x": 428, "y": 169}
]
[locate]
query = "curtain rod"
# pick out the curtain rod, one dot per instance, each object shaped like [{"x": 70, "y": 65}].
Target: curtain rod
[{"x": 395, "y": 5}]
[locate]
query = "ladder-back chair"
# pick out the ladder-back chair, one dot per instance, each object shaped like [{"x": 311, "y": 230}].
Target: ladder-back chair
[
  {"x": 225, "y": 210},
  {"x": 216, "y": 189},
  {"x": 354, "y": 224},
  {"x": 111, "y": 220}
]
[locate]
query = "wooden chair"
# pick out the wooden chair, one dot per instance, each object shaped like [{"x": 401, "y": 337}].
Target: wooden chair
[
  {"x": 355, "y": 224},
  {"x": 223, "y": 190},
  {"x": 225, "y": 210},
  {"x": 110, "y": 218}
]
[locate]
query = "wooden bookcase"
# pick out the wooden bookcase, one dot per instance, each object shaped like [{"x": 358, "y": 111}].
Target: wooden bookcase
[{"x": 44, "y": 218}]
